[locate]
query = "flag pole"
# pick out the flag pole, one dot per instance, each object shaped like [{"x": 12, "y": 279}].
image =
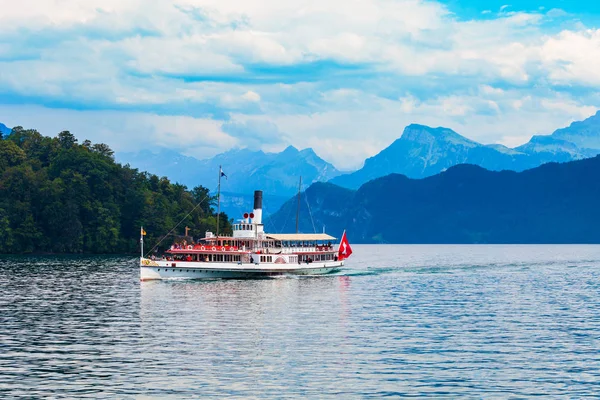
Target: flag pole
[
  {"x": 142, "y": 241},
  {"x": 219, "y": 201},
  {"x": 340, "y": 245}
]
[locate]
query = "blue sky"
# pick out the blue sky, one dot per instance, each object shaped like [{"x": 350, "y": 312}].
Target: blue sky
[
  {"x": 343, "y": 76},
  {"x": 470, "y": 8}
]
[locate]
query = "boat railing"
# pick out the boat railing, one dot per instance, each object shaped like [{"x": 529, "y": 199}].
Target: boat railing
[{"x": 292, "y": 250}]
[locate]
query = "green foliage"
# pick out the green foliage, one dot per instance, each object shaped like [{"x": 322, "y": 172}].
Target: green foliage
[{"x": 59, "y": 196}]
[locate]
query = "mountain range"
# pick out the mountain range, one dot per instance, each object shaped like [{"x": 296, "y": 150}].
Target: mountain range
[
  {"x": 422, "y": 151},
  {"x": 277, "y": 174},
  {"x": 552, "y": 203}
]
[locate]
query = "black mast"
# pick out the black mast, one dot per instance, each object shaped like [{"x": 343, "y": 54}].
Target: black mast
[{"x": 298, "y": 211}]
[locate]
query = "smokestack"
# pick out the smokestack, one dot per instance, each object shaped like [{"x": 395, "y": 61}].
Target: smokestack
[{"x": 257, "y": 207}]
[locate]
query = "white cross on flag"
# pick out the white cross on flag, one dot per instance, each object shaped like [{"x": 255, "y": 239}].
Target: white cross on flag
[{"x": 345, "y": 250}]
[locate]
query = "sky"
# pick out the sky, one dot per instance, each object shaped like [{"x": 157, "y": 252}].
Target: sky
[{"x": 341, "y": 76}]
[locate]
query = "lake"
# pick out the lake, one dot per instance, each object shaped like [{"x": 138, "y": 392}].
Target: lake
[{"x": 412, "y": 321}]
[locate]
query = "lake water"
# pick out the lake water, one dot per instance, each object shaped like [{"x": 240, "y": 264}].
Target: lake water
[{"x": 421, "y": 321}]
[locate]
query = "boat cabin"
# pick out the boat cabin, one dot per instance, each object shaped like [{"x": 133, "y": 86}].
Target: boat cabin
[{"x": 260, "y": 248}]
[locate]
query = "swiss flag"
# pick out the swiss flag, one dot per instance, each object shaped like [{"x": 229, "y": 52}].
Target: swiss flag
[{"x": 345, "y": 250}]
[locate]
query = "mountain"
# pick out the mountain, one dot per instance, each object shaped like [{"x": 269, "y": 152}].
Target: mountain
[
  {"x": 584, "y": 134},
  {"x": 423, "y": 151},
  {"x": 277, "y": 174},
  {"x": 4, "y": 130},
  {"x": 553, "y": 203}
]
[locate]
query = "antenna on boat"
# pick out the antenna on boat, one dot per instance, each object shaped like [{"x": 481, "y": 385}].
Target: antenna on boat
[{"x": 298, "y": 211}]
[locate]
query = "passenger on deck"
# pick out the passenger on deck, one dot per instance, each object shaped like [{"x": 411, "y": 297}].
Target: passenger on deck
[{"x": 188, "y": 258}]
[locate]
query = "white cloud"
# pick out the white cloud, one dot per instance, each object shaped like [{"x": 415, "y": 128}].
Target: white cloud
[
  {"x": 343, "y": 76},
  {"x": 557, "y": 13},
  {"x": 251, "y": 96},
  {"x": 206, "y": 38},
  {"x": 125, "y": 131},
  {"x": 573, "y": 57}
]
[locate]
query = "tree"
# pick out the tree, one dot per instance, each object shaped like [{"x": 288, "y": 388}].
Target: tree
[
  {"x": 66, "y": 139},
  {"x": 10, "y": 154},
  {"x": 103, "y": 150},
  {"x": 59, "y": 196}
]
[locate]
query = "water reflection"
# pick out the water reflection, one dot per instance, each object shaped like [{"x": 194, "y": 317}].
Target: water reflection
[
  {"x": 253, "y": 332},
  {"x": 420, "y": 321}
]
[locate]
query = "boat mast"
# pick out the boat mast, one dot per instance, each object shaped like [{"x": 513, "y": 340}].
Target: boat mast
[
  {"x": 298, "y": 211},
  {"x": 219, "y": 201}
]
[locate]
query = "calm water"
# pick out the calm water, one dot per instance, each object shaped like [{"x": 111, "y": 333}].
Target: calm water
[{"x": 438, "y": 321}]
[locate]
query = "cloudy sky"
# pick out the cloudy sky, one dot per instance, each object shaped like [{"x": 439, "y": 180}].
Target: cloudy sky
[{"x": 341, "y": 76}]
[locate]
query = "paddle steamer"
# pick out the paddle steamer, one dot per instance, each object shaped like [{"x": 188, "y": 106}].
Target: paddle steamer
[{"x": 249, "y": 252}]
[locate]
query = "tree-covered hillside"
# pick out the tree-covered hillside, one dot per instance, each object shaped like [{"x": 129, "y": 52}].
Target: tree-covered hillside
[
  {"x": 60, "y": 196},
  {"x": 553, "y": 203}
]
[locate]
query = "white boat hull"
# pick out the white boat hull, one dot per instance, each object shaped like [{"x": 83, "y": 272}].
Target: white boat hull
[{"x": 155, "y": 270}]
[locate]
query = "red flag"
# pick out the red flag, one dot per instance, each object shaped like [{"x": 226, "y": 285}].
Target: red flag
[{"x": 344, "y": 250}]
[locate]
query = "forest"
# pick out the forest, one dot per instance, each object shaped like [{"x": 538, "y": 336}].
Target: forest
[
  {"x": 466, "y": 204},
  {"x": 61, "y": 196}
]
